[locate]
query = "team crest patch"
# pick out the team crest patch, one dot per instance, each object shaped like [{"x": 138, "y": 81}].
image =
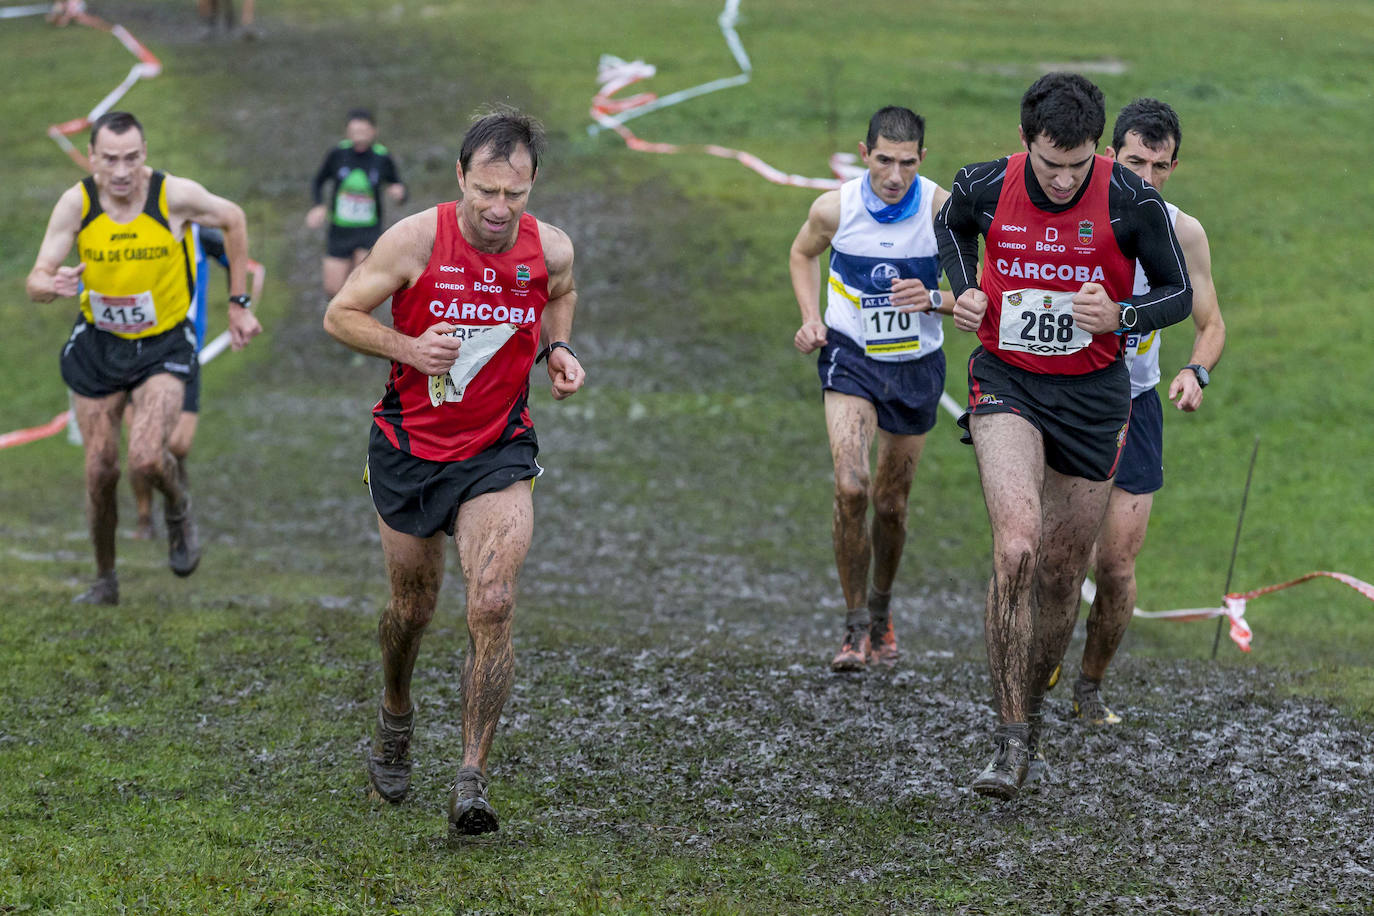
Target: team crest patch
[
  {"x": 882, "y": 276},
  {"x": 1014, "y": 298},
  {"x": 989, "y": 399},
  {"x": 522, "y": 275},
  {"x": 1121, "y": 436},
  {"x": 1085, "y": 232},
  {"x": 1048, "y": 302}
]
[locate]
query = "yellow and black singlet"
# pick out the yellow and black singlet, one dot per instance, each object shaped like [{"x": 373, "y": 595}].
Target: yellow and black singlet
[{"x": 139, "y": 280}]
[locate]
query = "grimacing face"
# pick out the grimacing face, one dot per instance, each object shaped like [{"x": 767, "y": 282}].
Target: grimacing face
[
  {"x": 892, "y": 167},
  {"x": 1060, "y": 172},
  {"x": 1153, "y": 165},
  {"x": 496, "y": 192},
  {"x": 117, "y": 161}
]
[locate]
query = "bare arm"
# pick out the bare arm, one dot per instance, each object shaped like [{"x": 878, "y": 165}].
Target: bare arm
[
  {"x": 804, "y": 265},
  {"x": 50, "y": 280},
  {"x": 1210, "y": 335},
  {"x": 189, "y": 202},
  {"x": 565, "y": 371},
  {"x": 396, "y": 261}
]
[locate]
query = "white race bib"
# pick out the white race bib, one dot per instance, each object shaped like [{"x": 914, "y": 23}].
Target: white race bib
[
  {"x": 124, "y": 314},
  {"x": 354, "y": 209},
  {"x": 480, "y": 343},
  {"x": 888, "y": 331},
  {"x": 1041, "y": 322}
]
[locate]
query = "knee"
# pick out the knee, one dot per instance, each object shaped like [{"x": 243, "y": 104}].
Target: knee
[
  {"x": 1115, "y": 570},
  {"x": 890, "y": 508},
  {"x": 851, "y": 493},
  {"x": 1013, "y": 558},
  {"x": 102, "y": 471},
  {"x": 411, "y": 611},
  {"x": 490, "y": 606},
  {"x": 145, "y": 463}
]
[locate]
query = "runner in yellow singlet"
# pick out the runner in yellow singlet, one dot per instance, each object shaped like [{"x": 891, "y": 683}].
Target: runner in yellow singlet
[{"x": 133, "y": 342}]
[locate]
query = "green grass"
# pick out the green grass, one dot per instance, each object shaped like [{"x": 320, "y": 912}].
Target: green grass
[{"x": 197, "y": 749}]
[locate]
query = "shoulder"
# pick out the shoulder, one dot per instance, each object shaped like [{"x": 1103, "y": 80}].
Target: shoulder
[
  {"x": 938, "y": 195},
  {"x": 1191, "y": 235},
  {"x": 179, "y": 189},
  {"x": 1130, "y": 187},
  {"x": 405, "y": 248},
  {"x": 558, "y": 248},
  {"x": 417, "y": 231},
  {"x": 70, "y": 206},
  {"x": 824, "y": 214},
  {"x": 979, "y": 176}
]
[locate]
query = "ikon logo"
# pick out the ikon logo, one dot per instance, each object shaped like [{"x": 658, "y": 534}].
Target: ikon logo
[{"x": 1007, "y": 227}]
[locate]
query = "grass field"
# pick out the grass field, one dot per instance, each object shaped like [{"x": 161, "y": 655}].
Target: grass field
[{"x": 674, "y": 742}]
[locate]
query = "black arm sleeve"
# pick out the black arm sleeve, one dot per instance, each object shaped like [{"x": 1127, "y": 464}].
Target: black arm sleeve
[
  {"x": 322, "y": 176},
  {"x": 957, "y": 226},
  {"x": 1143, "y": 231}
]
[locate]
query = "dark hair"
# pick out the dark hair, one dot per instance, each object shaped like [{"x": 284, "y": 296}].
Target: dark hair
[
  {"x": 502, "y": 129},
  {"x": 1155, "y": 121},
  {"x": 116, "y": 122},
  {"x": 898, "y": 124},
  {"x": 1066, "y": 108},
  {"x": 360, "y": 114}
]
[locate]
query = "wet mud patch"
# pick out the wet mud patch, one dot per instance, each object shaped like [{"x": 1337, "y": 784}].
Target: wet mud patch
[{"x": 1218, "y": 794}]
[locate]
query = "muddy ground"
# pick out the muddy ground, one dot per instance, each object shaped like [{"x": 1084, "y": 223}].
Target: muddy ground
[{"x": 679, "y": 607}]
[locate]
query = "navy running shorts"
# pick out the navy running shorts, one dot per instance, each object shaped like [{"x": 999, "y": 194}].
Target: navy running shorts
[
  {"x": 905, "y": 394},
  {"x": 96, "y": 363},
  {"x": 1141, "y": 469},
  {"x": 420, "y": 497},
  {"x": 1081, "y": 418}
]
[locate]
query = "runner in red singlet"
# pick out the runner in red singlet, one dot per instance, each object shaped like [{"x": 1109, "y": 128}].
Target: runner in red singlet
[
  {"x": 474, "y": 286},
  {"x": 1049, "y": 394}
]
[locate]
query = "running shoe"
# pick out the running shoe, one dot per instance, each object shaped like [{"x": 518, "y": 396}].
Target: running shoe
[
  {"x": 854, "y": 651},
  {"x": 1054, "y": 676},
  {"x": 469, "y": 812},
  {"x": 883, "y": 642},
  {"x": 183, "y": 541},
  {"x": 104, "y": 590},
  {"x": 1088, "y": 705},
  {"x": 1003, "y": 776},
  {"x": 388, "y": 765}
]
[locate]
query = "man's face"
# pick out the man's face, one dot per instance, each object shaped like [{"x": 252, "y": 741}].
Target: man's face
[
  {"x": 495, "y": 194},
  {"x": 1154, "y": 166},
  {"x": 361, "y": 133},
  {"x": 892, "y": 167},
  {"x": 1060, "y": 172},
  {"x": 117, "y": 161}
]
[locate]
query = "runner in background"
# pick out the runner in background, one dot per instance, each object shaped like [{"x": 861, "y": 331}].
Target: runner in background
[
  {"x": 209, "y": 247},
  {"x": 882, "y": 369},
  {"x": 359, "y": 172}
]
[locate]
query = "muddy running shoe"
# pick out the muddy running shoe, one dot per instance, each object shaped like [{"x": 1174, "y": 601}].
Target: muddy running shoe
[
  {"x": 1088, "y": 705},
  {"x": 854, "y": 651},
  {"x": 183, "y": 541},
  {"x": 104, "y": 590},
  {"x": 469, "y": 812},
  {"x": 1038, "y": 769},
  {"x": 1004, "y": 774},
  {"x": 388, "y": 765},
  {"x": 882, "y": 640}
]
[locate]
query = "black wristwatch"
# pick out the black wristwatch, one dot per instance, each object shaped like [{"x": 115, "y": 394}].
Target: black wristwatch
[
  {"x": 544, "y": 353},
  {"x": 244, "y": 300},
  {"x": 1128, "y": 316},
  {"x": 1203, "y": 378}
]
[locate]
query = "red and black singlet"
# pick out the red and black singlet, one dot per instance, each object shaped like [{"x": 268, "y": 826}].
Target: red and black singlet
[{"x": 473, "y": 290}]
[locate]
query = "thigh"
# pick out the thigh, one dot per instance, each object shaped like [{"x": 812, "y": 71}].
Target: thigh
[
  {"x": 493, "y": 535},
  {"x": 414, "y": 565},
  {"x": 1011, "y": 466},
  {"x": 851, "y": 422},
  {"x": 100, "y": 420},
  {"x": 157, "y": 406}
]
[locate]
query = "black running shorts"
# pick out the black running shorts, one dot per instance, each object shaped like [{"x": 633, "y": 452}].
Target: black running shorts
[
  {"x": 420, "y": 497},
  {"x": 342, "y": 241},
  {"x": 96, "y": 363},
  {"x": 1082, "y": 418}
]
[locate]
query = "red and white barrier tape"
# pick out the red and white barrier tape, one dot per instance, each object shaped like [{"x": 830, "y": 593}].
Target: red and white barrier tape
[{"x": 614, "y": 74}]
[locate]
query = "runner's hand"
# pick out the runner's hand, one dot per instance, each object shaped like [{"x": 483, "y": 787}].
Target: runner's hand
[
  {"x": 316, "y": 215},
  {"x": 1186, "y": 391},
  {"x": 435, "y": 351},
  {"x": 1094, "y": 311},
  {"x": 67, "y": 280},
  {"x": 970, "y": 308},
  {"x": 565, "y": 372},
  {"x": 810, "y": 336},
  {"x": 910, "y": 295},
  {"x": 243, "y": 326}
]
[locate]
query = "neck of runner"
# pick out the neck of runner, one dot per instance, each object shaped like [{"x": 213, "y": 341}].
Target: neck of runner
[{"x": 891, "y": 213}]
